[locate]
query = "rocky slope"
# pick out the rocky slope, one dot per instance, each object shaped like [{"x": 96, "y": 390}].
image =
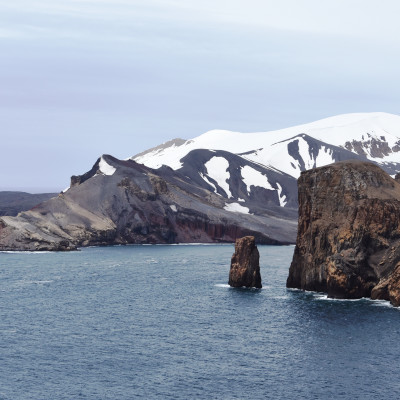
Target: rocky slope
[
  {"x": 348, "y": 239},
  {"x": 121, "y": 202}
]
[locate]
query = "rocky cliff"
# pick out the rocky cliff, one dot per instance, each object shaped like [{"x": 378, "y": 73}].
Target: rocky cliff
[
  {"x": 123, "y": 202},
  {"x": 348, "y": 239}
]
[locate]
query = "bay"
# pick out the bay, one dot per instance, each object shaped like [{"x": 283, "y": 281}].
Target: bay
[{"x": 160, "y": 322}]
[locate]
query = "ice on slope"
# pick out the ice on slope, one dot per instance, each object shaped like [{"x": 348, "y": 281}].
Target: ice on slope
[
  {"x": 334, "y": 130},
  {"x": 282, "y": 197},
  {"x": 236, "y": 207},
  {"x": 252, "y": 177},
  {"x": 209, "y": 182},
  {"x": 217, "y": 169},
  {"x": 324, "y": 157},
  {"x": 106, "y": 168},
  {"x": 278, "y": 156}
]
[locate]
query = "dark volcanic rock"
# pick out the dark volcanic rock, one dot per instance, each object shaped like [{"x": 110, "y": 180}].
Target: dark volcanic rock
[
  {"x": 258, "y": 199},
  {"x": 245, "y": 264},
  {"x": 123, "y": 202},
  {"x": 348, "y": 239}
]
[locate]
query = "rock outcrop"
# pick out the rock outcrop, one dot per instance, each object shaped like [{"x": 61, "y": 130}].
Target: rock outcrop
[
  {"x": 348, "y": 239},
  {"x": 245, "y": 264}
]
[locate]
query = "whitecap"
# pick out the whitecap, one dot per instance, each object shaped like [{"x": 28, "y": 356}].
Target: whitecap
[
  {"x": 383, "y": 303},
  {"x": 325, "y": 297},
  {"x": 226, "y": 286}
]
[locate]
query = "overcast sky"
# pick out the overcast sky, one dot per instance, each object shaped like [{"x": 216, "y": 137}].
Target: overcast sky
[{"x": 79, "y": 78}]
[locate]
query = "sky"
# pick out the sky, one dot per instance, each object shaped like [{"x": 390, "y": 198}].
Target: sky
[{"x": 82, "y": 78}]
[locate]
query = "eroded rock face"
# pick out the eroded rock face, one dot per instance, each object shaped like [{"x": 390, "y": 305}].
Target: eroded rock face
[
  {"x": 348, "y": 240},
  {"x": 245, "y": 264}
]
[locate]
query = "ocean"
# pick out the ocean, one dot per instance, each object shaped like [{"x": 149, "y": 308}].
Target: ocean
[{"x": 160, "y": 322}]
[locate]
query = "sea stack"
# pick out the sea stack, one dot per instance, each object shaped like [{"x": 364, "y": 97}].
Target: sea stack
[
  {"x": 348, "y": 239},
  {"x": 245, "y": 264}
]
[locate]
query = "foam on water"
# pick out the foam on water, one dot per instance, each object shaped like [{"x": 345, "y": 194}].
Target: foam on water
[
  {"x": 226, "y": 286},
  {"x": 324, "y": 297},
  {"x": 383, "y": 303}
]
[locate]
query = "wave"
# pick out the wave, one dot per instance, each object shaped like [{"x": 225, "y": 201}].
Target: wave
[
  {"x": 383, "y": 303},
  {"x": 23, "y": 282},
  {"x": 227, "y": 286},
  {"x": 374, "y": 303},
  {"x": 325, "y": 297}
]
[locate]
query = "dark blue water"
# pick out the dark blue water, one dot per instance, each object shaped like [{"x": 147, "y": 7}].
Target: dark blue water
[{"x": 159, "y": 322}]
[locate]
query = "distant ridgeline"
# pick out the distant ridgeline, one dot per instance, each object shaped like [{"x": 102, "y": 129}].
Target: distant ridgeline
[
  {"x": 214, "y": 188},
  {"x": 11, "y": 202}
]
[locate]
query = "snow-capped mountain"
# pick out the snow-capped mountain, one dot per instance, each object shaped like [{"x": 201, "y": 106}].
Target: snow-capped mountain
[
  {"x": 214, "y": 188},
  {"x": 283, "y": 153}
]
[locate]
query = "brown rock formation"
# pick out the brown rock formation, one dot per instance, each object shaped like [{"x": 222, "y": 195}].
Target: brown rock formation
[
  {"x": 348, "y": 240},
  {"x": 245, "y": 264}
]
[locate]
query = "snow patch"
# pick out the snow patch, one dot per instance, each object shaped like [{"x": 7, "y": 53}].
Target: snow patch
[
  {"x": 324, "y": 157},
  {"x": 252, "y": 177},
  {"x": 282, "y": 198},
  {"x": 165, "y": 156},
  {"x": 209, "y": 182},
  {"x": 304, "y": 151},
  {"x": 173, "y": 208},
  {"x": 106, "y": 168},
  {"x": 217, "y": 169},
  {"x": 236, "y": 207}
]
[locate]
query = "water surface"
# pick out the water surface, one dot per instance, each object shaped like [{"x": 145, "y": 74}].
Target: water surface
[{"x": 160, "y": 322}]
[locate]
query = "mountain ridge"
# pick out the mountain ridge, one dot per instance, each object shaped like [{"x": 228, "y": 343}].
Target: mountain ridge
[
  {"x": 360, "y": 132},
  {"x": 187, "y": 191},
  {"x": 123, "y": 202}
]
